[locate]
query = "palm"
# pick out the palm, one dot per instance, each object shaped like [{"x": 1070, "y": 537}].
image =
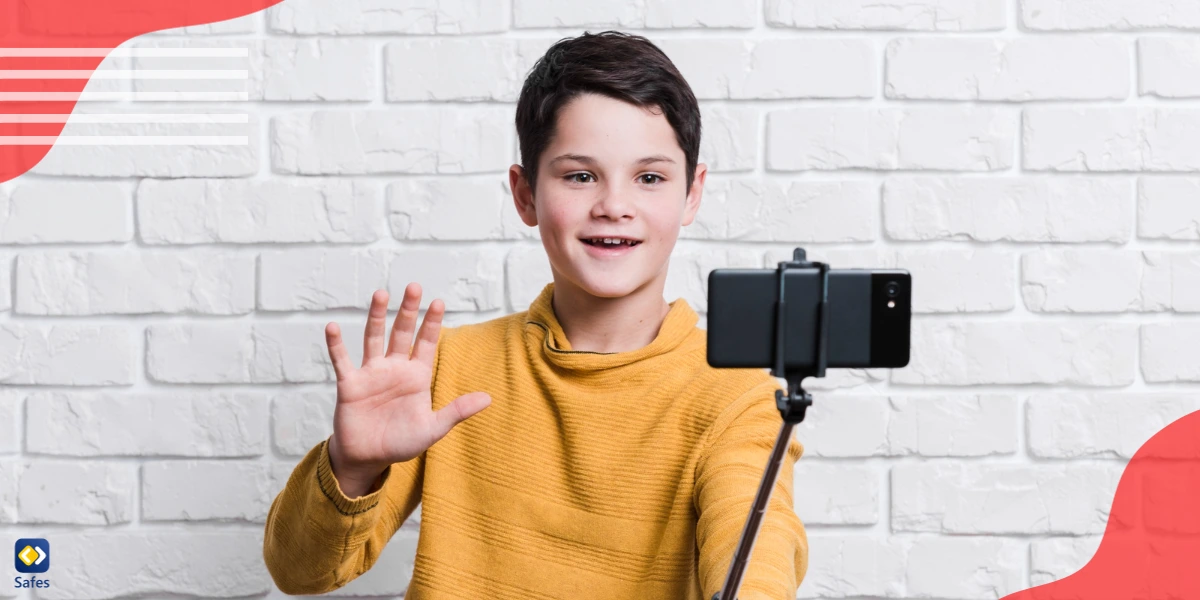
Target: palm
[{"x": 384, "y": 408}]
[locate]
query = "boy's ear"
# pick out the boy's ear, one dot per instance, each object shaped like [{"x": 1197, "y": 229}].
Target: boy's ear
[
  {"x": 693, "y": 198},
  {"x": 522, "y": 194}
]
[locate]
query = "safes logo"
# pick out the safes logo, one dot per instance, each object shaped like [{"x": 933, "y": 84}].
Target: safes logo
[{"x": 31, "y": 555}]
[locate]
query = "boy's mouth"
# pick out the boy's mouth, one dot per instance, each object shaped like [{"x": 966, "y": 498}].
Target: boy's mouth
[
  {"x": 609, "y": 246},
  {"x": 610, "y": 242}
]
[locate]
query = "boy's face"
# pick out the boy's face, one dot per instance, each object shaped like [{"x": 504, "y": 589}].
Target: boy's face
[{"x": 612, "y": 169}]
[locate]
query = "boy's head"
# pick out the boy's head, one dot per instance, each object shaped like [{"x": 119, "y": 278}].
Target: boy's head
[{"x": 609, "y": 133}]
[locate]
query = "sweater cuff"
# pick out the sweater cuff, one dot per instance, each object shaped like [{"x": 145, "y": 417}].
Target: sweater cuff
[{"x": 329, "y": 486}]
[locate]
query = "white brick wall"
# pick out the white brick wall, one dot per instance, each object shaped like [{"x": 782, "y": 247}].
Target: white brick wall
[{"x": 1034, "y": 163}]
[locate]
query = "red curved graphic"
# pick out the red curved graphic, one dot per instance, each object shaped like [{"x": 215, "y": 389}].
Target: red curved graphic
[
  {"x": 56, "y": 35},
  {"x": 1155, "y": 554}
]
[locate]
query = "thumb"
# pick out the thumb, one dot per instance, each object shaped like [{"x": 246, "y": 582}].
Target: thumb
[{"x": 459, "y": 410}]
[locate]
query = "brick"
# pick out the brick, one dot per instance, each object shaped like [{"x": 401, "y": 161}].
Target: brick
[
  {"x": 664, "y": 14},
  {"x": 1025, "y": 209},
  {"x": 194, "y": 211},
  {"x": 191, "y": 490},
  {"x": 1168, "y": 208},
  {"x": 951, "y": 281},
  {"x": 134, "y": 282},
  {"x": 397, "y": 140},
  {"x": 324, "y": 69},
  {"x": 10, "y": 473},
  {"x": 961, "y": 498},
  {"x": 485, "y": 69},
  {"x": 734, "y": 14},
  {"x": 1074, "y": 425},
  {"x": 1013, "y": 69},
  {"x": 11, "y": 420},
  {"x": 66, "y": 354},
  {"x": 1168, "y": 352},
  {"x": 688, "y": 269},
  {"x": 845, "y": 426},
  {"x": 1112, "y": 139},
  {"x": 458, "y": 209},
  {"x": 202, "y": 424},
  {"x": 1055, "y": 558},
  {"x": 32, "y": 214},
  {"x": 107, "y": 564},
  {"x": 320, "y": 278},
  {"x": 922, "y": 15},
  {"x": 527, "y": 271},
  {"x": 972, "y": 567},
  {"x": 547, "y": 13},
  {"x": 753, "y": 209},
  {"x": 1019, "y": 352},
  {"x": 1169, "y": 67},
  {"x": 776, "y": 68},
  {"x": 837, "y": 494},
  {"x": 1122, "y": 15},
  {"x": 465, "y": 280},
  {"x": 849, "y": 565},
  {"x": 978, "y": 425},
  {"x": 6, "y": 269},
  {"x": 262, "y": 352},
  {"x": 85, "y": 493},
  {"x": 419, "y": 17},
  {"x": 302, "y": 420},
  {"x": 962, "y": 139},
  {"x": 730, "y": 142},
  {"x": 1102, "y": 280},
  {"x": 713, "y": 68}
]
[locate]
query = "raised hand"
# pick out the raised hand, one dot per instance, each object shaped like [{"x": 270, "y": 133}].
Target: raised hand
[{"x": 384, "y": 408}]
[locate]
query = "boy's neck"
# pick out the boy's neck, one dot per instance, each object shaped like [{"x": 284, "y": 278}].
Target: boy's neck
[{"x": 608, "y": 325}]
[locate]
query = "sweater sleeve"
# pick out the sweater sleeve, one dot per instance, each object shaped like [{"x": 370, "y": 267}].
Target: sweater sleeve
[
  {"x": 317, "y": 539},
  {"x": 728, "y": 474}
]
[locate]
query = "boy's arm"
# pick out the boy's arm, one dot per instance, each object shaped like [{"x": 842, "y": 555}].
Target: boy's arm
[
  {"x": 318, "y": 540},
  {"x": 728, "y": 474}
]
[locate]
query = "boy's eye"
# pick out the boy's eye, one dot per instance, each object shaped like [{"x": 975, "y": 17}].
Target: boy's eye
[
  {"x": 572, "y": 177},
  {"x": 656, "y": 178}
]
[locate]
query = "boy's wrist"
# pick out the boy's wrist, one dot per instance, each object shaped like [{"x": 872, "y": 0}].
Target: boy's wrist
[{"x": 353, "y": 480}]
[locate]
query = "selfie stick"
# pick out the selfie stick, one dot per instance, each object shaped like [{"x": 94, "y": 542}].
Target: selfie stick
[{"x": 791, "y": 408}]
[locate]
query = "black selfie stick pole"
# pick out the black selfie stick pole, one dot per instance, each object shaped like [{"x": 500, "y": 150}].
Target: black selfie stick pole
[{"x": 791, "y": 408}]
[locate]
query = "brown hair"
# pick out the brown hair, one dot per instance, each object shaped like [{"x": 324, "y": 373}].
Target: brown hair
[{"x": 611, "y": 63}]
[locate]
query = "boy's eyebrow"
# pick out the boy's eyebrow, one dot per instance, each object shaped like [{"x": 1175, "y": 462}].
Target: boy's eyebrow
[{"x": 589, "y": 160}]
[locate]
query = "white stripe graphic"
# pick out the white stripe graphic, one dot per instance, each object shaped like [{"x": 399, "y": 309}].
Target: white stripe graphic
[
  {"x": 134, "y": 96},
  {"x": 136, "y": 52},
  {"x": 128, "y": 118},
  {"x": 124, "y": 140},
  {"x": 126, "y": 74}
]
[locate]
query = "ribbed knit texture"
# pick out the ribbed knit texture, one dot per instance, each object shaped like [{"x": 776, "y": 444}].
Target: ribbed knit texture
[{"x": 622, "y": 475}]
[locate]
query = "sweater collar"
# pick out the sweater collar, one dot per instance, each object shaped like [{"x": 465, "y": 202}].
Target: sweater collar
[{"x": 679, "y": 323}]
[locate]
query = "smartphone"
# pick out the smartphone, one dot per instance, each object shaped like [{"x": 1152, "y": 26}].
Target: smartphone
[{"x": 870, "y": 315}]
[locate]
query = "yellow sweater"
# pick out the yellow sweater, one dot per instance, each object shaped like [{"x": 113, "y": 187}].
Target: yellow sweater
[{"x": 623, "y": 475}]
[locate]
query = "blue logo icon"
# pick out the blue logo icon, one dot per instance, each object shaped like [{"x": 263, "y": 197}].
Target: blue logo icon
[{"x": 32, "y": 555}]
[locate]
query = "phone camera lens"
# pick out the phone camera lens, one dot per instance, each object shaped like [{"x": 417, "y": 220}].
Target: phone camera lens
[{"x": 892, "y": 289}]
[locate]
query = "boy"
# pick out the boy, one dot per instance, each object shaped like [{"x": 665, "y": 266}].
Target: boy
[{"x": 582, "y": 448}]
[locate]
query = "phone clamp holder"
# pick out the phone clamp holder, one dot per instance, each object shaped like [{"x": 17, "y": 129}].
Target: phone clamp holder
[{"x": 791, "y": 405}]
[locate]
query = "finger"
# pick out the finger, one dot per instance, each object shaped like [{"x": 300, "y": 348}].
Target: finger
[
  {"x": 431, "y": 327},
  {"x": 406, "y": 320},
  {"x": 337, "y": 351},
  {"x": 459, "y": 410},
  {"x": 376, "y": 326}
]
